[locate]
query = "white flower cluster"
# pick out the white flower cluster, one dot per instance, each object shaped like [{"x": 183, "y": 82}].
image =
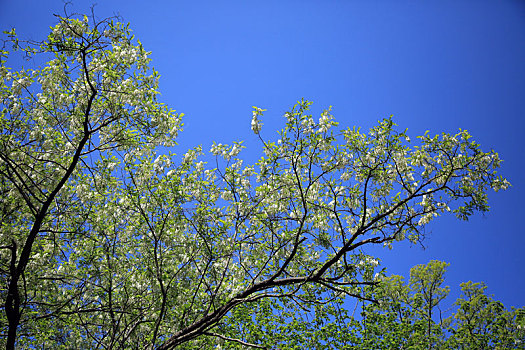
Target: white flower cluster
[
  {"x": 367, "y": 261},
  {"x": 227, "y": 152},
  {"x": 325, "y": 122},
  {"x": 500, "y": 184},
  {"x": 19, "y": 84},
  {"x": 191, "y": 155},
  {"x": 256, "y": 123},
  {"x": 426, "y": 218},
  {"x": 70, "y": 27}
]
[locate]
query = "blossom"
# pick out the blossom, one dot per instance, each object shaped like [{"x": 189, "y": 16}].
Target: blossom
[{"x": 256, "y": 124}]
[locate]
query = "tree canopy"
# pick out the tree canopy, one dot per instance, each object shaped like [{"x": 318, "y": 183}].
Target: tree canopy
[{"x": 109, "y": 240}]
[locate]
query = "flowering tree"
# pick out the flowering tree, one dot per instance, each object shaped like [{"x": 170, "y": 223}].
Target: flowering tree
[{"x": 108, "y": 241}]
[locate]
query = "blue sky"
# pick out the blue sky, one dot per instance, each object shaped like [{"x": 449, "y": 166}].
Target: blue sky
[{"x": 434, "y": 65}]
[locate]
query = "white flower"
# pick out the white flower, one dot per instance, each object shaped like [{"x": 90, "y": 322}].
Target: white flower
[
  {"x": 289, "y": 116},
  {"x": 199, "y": 166},
  {"x": 256, "y": 124},
  {"x": 235, "y": 151},
  {"x": 187, "y": 158},
  {"x": 216, "y": 149},
  {"x": 111, "y": 166},
  {"x": 324, "y": 122}
]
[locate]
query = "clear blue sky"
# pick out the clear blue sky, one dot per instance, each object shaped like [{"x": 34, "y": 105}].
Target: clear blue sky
[{"x": 434, "y": 65}]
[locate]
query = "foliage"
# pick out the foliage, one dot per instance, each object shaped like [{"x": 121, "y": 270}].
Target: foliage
[
  {"x": 481, "y": 322},
  {"x": 404, "y": 317},
  {"x": 108, "y": 241},
  {"x": 398, "y": 320}
]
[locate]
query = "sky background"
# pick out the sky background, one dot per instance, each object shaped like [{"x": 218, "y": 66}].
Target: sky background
[{"x": 434, "y": 65}]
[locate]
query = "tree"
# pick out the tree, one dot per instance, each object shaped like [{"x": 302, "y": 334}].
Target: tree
[
  {"x": 404, "y": 318},
  {"x": 110, "y": 241},
  {"x": 482, "y": 322},
  {"x": 388, "y": 324},
  {"x": 398, "y": 319},
  {"x": 425, "y": 282}
]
